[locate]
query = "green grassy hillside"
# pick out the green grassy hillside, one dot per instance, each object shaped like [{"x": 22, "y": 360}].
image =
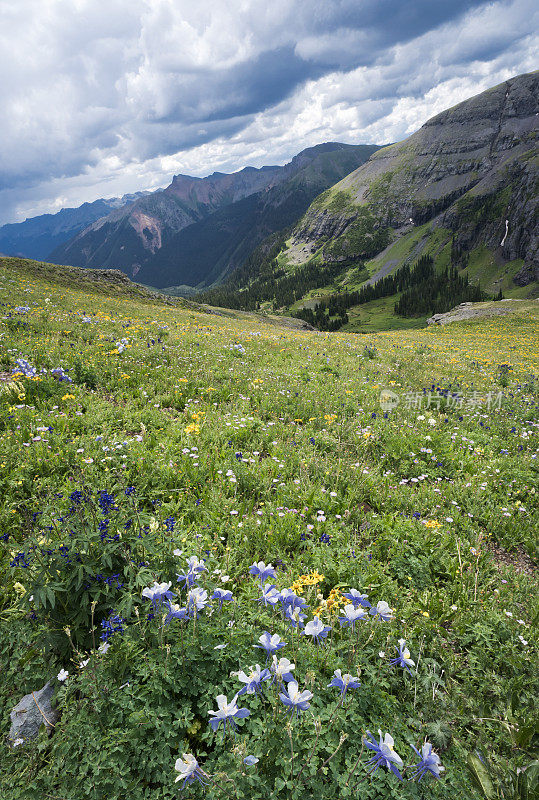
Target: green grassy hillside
[{"x": 145, "y": 442}]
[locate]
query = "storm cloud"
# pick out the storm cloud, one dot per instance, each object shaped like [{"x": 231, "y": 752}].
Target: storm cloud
[{"x": 103, "y": 97}]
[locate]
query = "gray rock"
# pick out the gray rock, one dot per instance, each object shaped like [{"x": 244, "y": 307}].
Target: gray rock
[
  {"x": 33, "y": 711},
  {"x": 475, "y": 311}
]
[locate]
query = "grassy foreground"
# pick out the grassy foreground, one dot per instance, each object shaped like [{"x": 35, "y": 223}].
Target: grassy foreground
[{"x": 169, "y": 434}]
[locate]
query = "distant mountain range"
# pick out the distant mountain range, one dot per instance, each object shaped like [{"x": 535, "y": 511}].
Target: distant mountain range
[
  {"x": 197, "y": 230},
  {"x": 37, "y": 237}
]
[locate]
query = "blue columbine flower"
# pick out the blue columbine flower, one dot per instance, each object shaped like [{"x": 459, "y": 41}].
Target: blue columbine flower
[
  {"x": 263, "y": 571},
  {"x": 352, "y": 615},
  {"x": 174, "y": 612},
  {"x": 249, "y": 761},
  {"x": 254, "y": 680},
  {"x": 25, "y": 367},
  {"x": 226, "y": 713},
  {"x": 429, "y": 762},
  {"x": 222, "y": 596},
  {"x": 158, "y": 593},
  {"x": 61, "y": 375},
  {"x": 294, "y": 616},
  {"x": 384, "y": 754},
  {"x": 316, "y": 629},
  {"x": 290, "y": 599},
  {"x": 295, "y": 700},
  {"x": 192, "y": 573},
  {"x": 270, "y": 644},
  {"x": 270, "y": 595},
  {"x": 282, "y": 670},
  {"x": 189, "y": 770},
  {"x": 357, "y": 598},
  {"x": 382, "y": 611},
  {"x": 197, "y": 599},
  {"x": 403, "y": 658},
  {"x": 344, "y": 682}
]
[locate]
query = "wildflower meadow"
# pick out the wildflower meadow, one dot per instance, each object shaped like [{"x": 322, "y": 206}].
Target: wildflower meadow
[{"x": 258, "y": 562}]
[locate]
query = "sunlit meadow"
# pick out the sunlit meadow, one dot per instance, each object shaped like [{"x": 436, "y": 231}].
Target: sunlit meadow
[{"x": 240, "y": 551}]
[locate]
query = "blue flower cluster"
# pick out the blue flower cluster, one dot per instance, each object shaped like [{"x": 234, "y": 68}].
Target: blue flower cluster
[{"x": 112, "y": 625}]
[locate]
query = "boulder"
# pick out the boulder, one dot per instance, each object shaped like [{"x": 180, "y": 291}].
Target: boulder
[{"x": 33, "y": 711}]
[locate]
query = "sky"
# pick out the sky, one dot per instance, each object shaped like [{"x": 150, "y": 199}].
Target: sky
[{"x": 103, "y": 97}]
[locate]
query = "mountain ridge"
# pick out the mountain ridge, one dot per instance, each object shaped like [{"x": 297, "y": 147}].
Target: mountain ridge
[
  {"x": 142, "y": 239},
  {"x": 36, "y": 237},
  {"x": 463, "y": 149}
]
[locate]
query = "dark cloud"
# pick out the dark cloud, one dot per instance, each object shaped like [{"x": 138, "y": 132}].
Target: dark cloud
[{"x": 102, "y": 94}]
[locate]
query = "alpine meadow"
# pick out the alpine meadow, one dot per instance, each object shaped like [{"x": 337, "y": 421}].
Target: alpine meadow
[
  {"x": 269, "y": 400},
  {"x": 200, "y": 505}
]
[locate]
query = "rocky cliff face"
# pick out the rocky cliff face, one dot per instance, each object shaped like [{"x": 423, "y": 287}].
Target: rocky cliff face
[{"x": 472, "y": 169}]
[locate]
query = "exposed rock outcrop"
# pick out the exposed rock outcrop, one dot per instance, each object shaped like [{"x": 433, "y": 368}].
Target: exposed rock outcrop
[{"x": 474, "y": 311}]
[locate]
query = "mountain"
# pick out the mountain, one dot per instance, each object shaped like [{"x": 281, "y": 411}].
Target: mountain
[
  {"x": 38, "y": 236},
  {"x": 206, "y": 252},
  {"x": 468, "y": 170},
  {"x": 461, "y": 192},
  {"x": 198, "y": 229}
]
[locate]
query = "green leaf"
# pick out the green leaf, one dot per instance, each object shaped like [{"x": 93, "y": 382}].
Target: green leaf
[
  {"x": 528, "y": 783},
  {"x": 480, "y": 776},
  {"x": 51, "y": 597}
]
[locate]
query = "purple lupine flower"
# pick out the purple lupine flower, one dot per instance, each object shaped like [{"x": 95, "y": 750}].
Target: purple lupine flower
[
  {"x": 344, "y": 682},
  {"x": 403, "y": 658},
  {"x": 222, "y": 596},
  {"x": 112, "y": 625},
  {"x": 316, "y": 629},
  {"x": 189, "y": 770},
  {"x": 270, "y": 643},
  {"x": 270, "y": 595},
  {"x": 192, "y": 573},
  {"x": 226, "y": 713},
  {"x": 429, "y": 762},
  {"x": 352, "y": 615},
  {"x": 282, "y": 669},
  {"x": 382, "y": 611},
  {"x": 384, "y": 754},
  {"x": 253, "y": 681},
  {"x": 263, "y": 571},
  {"x": 357, "y": 599},
  {"x": 295, "y": 700}
]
